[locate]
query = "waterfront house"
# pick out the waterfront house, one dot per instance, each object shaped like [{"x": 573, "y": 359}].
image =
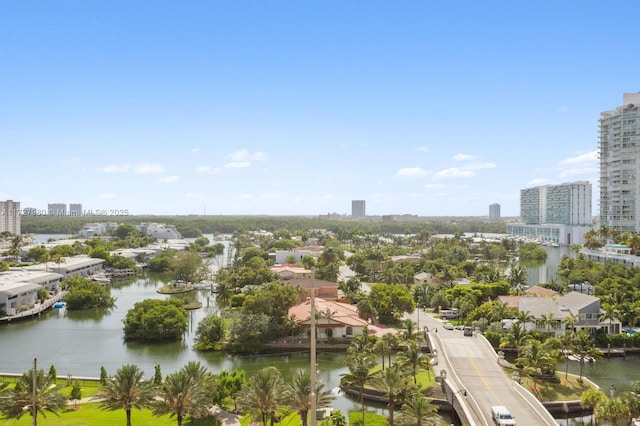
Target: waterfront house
[{"x": 333, "y": 319}]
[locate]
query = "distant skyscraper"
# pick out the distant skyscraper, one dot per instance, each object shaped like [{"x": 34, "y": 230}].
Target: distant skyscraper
[
  {"x": 564, "y": 204},
  {"x": 358, "y": 210},
  {"x": 494, "y": 212},
  {"x": 10, "y": 214},
  {"x": 57, "y": 209},
  {"x": 75, "y": 209},
  {"x": 619, "y": 141},
  {"x": 554, "y": 213}
]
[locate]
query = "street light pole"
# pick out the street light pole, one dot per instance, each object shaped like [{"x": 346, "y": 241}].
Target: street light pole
[{"x": 313, "y": 404}]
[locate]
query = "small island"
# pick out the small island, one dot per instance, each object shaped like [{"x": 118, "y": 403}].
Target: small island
[{"x": 176, "y": 287}]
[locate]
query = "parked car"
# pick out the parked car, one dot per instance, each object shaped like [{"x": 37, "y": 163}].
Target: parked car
[
  {"x": 468, "y": 331},
  {"x": 447, "y": 326}
]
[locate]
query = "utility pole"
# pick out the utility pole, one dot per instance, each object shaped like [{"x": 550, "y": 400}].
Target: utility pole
[
  {"x": 313, "y": 404},
  {"x": 34, "y": 396}
]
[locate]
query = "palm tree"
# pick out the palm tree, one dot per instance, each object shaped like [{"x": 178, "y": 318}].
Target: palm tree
[
  {"x": 517, "y": 279},
  {"x": 413, "y": 357},
  {"x": 127, "y": 390},
  {"x": 17, "y": 401},
  {"x": 524, "y": 317},
  {"x": 359, "y": 374},
  {"x": 516, "y": 336},
  {"x": 182, "y": 394},
  {"x": 392, "y": 341},
  {"x": 632, "y": 403},
  {"x": 418, "y": 410},
  {"x": 261, "y": 396},
  {"x": 536, "y": 356},
  {"x": 547, "y": 320},
  {"x": 297, "y": 395},
  {"x": 498, "y": 311},
  {"x": 583, "y": 348},
  {"x": 391, "y": 381},
  {"x": 609, "y": 313},
  {"x": 409, "y": 331},
  {"x": 224, "y": 292}
]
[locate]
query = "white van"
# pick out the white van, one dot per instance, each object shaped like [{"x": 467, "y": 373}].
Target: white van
[{"x": 501, "y": 416}]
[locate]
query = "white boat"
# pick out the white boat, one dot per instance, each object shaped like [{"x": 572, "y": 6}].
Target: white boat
[{"x": 577, "y": 358}]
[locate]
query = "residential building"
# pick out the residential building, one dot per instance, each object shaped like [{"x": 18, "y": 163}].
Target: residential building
[
  {"x": 552, "y": 315},
  {"x": 494, "y": 212},
  {"x": 75, "y": 210},
  {"x": 289, "y": 256},
  {"x": 10, "y": 215},
  {"x": 335, "y": 319},
  {"x": 160, "y": 231},
  {"x": 19, "y": 288},
  {"x": 619, "y": 140},
  {"x": 57, "y": 209},
  {"x": 554, "y": 213},
  {"x": 81, "y": 265},
  {"x": 358, "y": 209}
]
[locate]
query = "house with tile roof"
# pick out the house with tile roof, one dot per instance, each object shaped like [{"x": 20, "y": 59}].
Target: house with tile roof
[
  {"x": 333, "y": 319},
  {"x": 323, "y": 289}
]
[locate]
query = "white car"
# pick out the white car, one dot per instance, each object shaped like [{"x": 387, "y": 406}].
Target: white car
[{"x": 447, "y": 326}]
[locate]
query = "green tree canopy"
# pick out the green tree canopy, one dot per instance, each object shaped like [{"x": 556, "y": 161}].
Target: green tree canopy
[{"x": 154, "y": 319}]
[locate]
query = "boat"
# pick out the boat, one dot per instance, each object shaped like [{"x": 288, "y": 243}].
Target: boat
[
  {"x": 577, "y": 358},
  {"x": 59, "y": 305}
]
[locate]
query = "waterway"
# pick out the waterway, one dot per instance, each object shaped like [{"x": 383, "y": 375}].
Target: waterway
[{"x": 81, "y": 342}]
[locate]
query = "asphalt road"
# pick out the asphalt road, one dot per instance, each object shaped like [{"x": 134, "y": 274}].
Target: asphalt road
[{"x": 472, "y": 365}]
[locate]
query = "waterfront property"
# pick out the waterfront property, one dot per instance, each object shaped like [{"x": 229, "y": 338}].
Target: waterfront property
[
  {"x": 335, "y": 319},
  {"x": 19, "y": 289},
  {"x": 585, "y": 308}
]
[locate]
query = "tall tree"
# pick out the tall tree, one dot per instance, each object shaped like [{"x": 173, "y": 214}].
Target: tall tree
[
  {"x": 261, "y": 396},
  {"x": 391, "y": 381},
  {"x": 413, "y": 358},
  {"x": 21, "y": 399},
  {"x": 126, "y": 390},
  {"x": 418, "y": 410},
  {"x": 297, "y": 395},
  {"x": 359, "y": 374},
  {"x": 182, "y": 394}
]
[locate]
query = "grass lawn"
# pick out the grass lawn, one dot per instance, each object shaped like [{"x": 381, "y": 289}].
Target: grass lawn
[
  {"x": 569, "y": 389},
  {"x": 91, "y": 415},
  {"x": 370, "y": 419},
  {"x": 292, "y": 419}
]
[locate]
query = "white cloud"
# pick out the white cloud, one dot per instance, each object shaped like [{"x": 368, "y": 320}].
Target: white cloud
[
  {"x": 105, "y": 196},
  {"x": 148, "y": 168},
  {"x": 587, "y": 157},
  {"x": 244, "y": 155},
  {"x": 237, "y": 165},
  {"x": 434, "y": 186},
  {"x": 453, "y": 172},
  {"x": 116, "y": 168},
  {"x": 168, "y": 179},
  {"x": 462, "y": 157},
  {"x": 194, "y": 150},
  {"x": 412, "y": 172},
  {"x": 423, "y": 149},
  {"x": 578, "y": 171},
  {"x": 563, "y": 109},
  {"x": 207, "y": 170},
  {"x": 479, "y": 166}
]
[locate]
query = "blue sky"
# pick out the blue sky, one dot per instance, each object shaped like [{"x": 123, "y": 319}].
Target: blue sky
[{"x": 298, "y": 107}]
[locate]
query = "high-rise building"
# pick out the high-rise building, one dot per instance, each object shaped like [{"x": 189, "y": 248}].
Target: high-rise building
[
  {"x": 75, "y": 209},
  {"x": 494, "y": 212},
  {"x": 10, "y": 214},
  {"x": 358, "y": 210},
  {"x": 619, "y": 144},
  {"x": 555, "y": 213},
  {"x": 57, "y": 209},
  {"x": 564, "y": 204}
]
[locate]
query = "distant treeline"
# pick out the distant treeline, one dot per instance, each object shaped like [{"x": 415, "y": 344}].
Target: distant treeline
[{"x": 193, "y": 226}]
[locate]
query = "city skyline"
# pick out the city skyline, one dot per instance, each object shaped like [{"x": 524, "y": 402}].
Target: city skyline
[{"x": 288, "y": 108}]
